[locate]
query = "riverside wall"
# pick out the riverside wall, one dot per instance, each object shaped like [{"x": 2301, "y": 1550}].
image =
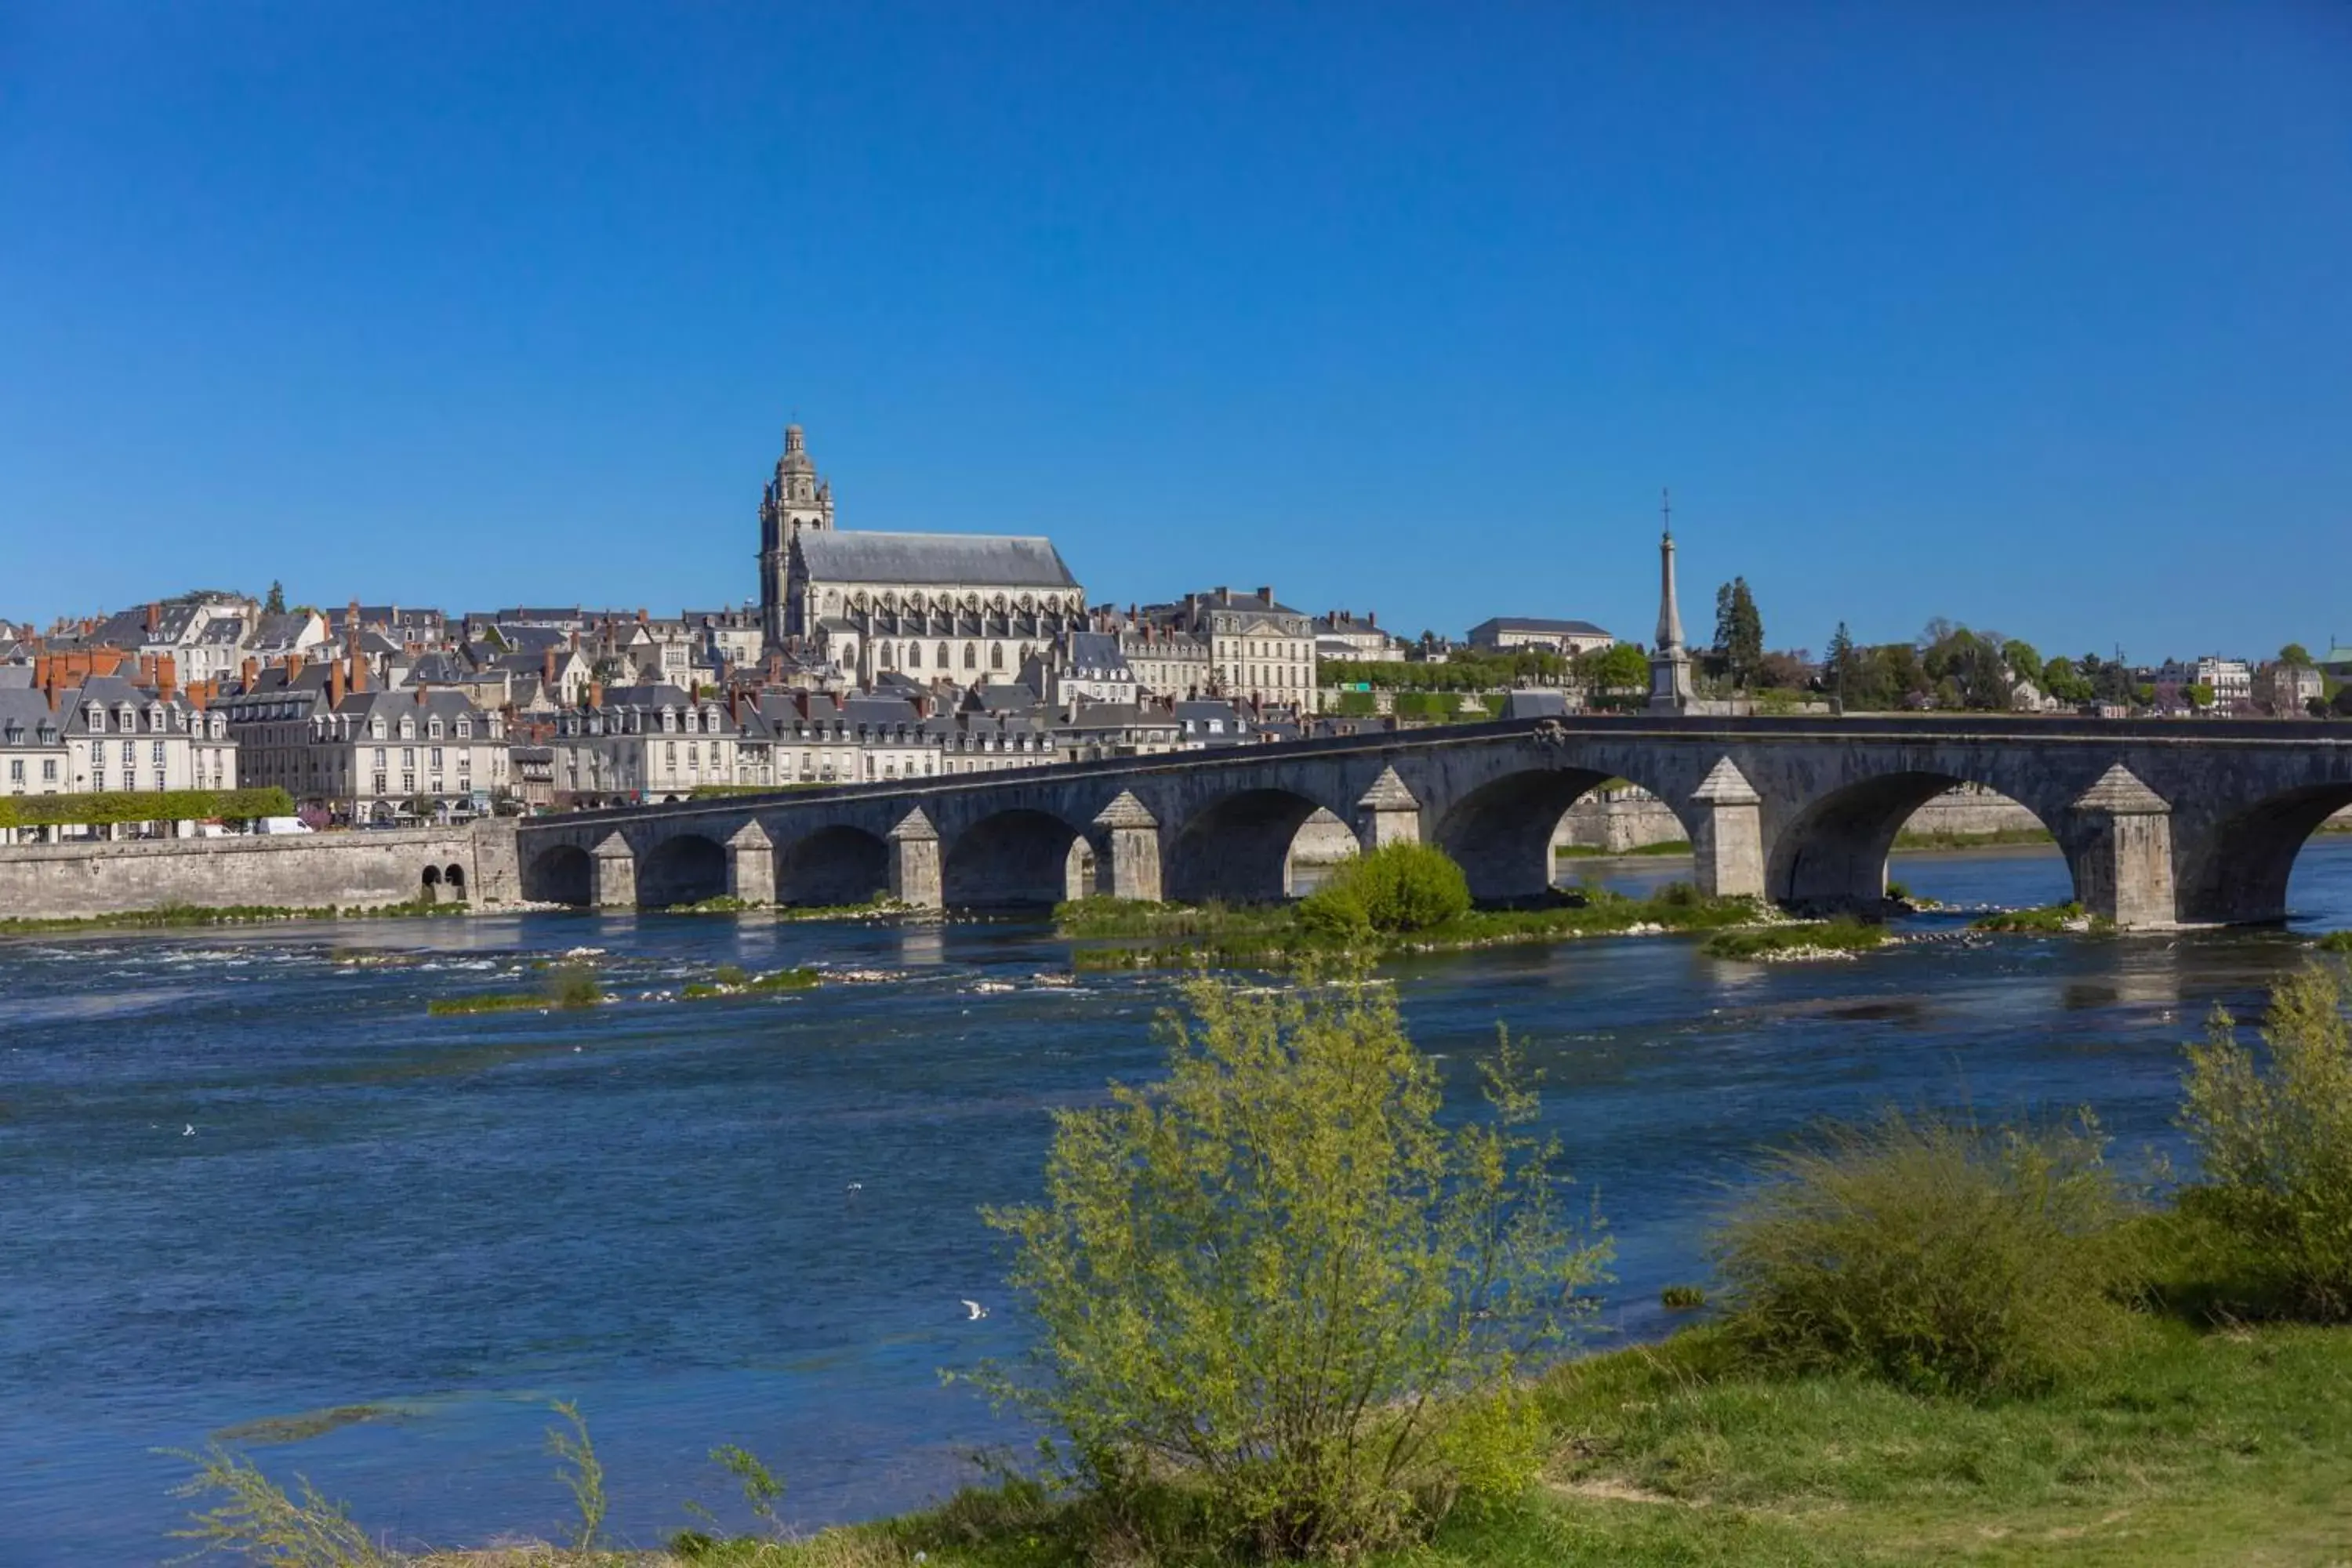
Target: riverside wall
[{"x": 81, "y": 878}]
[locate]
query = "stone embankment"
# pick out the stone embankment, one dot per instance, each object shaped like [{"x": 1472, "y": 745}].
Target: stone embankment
[{"x": 85, "y": 879}]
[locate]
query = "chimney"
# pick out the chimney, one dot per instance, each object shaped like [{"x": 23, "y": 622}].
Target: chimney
[
  {"x": 1372, "y": 618},
  {"x": 357, "y": 678},
  {"x": 595, "y": 695},
  {"x": 422, "y": 688},
  {"x": 167, "y": 676},
  {"x": 575, "y": 639},
  {"x": 200, "y": 695},
  {"x": 147, "y": 672},
  {"x": 641, "y": 614},
  {"x": 1267, "y": 593},
  {"x": 41, "y": 672},
  {"x": 293, "y": 666},
  {"x": 252, "y": 671},
  {"x": 335, "y": 688},
  {"x": 546, "y": 668},
  {"x": 154, "y": 618}
]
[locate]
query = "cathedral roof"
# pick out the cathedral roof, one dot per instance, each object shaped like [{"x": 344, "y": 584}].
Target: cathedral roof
[{"x": 934, "y": 560}]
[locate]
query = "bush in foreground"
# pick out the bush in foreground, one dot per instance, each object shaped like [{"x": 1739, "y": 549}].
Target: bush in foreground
[
  {"x": 2274, "y": 1136},
  {"x": 1930, "y": 1253},
  {"x": 1395, "y": 889},
  {"x": 1276, "y": 1286}
]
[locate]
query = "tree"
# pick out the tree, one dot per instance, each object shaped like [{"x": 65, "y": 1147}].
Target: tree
[
  {"x": 2063, "y": 682},
  {"x": 2199, "y": 693},
  {"x": 2023, "y": 661},
  {"x": 1620, "y": 667},
  {"x": 2294, "y": 656},
  {"x": 1738, "y": 630},
  {"x": 275, "y": 604},
  {"x": 1278, "y": 1274},
  {"x": 1783, "y": 669}
]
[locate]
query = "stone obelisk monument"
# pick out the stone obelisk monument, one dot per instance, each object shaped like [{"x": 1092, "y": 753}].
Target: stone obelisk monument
[{"x": 1670, "y": 676}]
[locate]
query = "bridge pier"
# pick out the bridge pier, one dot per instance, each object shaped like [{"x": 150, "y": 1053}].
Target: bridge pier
[
  {"x": 915, "y": 876},
  {"x": 752, "y": 865},
  {"x": 1132, "y": 851},
  {"x": 1727, "y": 833},
  {"x": 2124, "y": 871},
  {"x": 612, "y": 873},
  {"x": 1388, "y": 814}
]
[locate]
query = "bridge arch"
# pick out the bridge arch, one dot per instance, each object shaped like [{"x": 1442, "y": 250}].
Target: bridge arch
[
  {"x": 2238, "y": 871},
  {"x": 683, "y": 869},
  {"x": 1831, "y": 854},
  {"x": 833, "y": 867},
  {"x": 558, "y": 874},
  {"x": 1237, "y": 847},
  {"x": 1018, "y": 856},
  {"x": 1502, "y": 832}
]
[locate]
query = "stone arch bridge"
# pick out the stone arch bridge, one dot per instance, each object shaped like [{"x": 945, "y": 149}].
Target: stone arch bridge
[{"x": 2160, "y": 822}]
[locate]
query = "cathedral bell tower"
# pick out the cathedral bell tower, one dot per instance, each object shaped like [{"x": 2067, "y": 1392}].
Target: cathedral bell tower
[{"x": 795, "y": 499}]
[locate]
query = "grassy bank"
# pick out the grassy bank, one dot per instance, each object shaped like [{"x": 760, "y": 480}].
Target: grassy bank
[
  {"x": 1119, "y": 935},
  {"x": 731, "y": 981},
  {"x": 727, "y": 904},
  {"x": 1812, "y": 938},
  {"x": 1973, "y": 840},
  {"x": 169, "y": 916},
  {"x": 2050, "y": 919},
  {"x": 1594, "y": 852},
  {"x": 568, "y": 986}
]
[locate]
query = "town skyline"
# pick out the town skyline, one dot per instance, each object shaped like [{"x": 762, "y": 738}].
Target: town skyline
[{"x": 349, "y": 299}]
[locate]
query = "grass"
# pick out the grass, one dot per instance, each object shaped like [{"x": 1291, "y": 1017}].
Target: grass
[
  {"x": 2048, "y": 921},
  {"x": 1595, "y": 852},
  {"x": 2335, "y": 942},
  {"x": 568, "y": 985},
  {"x": 1808, "y": 939},
  {"x": 1152, "y": 936},
  {"x": 731, "y": 981},
  {"x": 169, "y": 916},
  {"x": 1973, "y": 840}
]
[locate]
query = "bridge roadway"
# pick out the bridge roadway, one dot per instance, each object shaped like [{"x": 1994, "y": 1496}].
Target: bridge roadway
[{"x": 2161, "y": 822}]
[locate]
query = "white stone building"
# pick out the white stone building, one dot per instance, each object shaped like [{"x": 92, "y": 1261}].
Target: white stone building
[
  {"x": 1260, "y": 650},
  {"x": 122, "y": 737},
  {"x": 642, "y": 743},
  {"x": 1509, "y": 633}
]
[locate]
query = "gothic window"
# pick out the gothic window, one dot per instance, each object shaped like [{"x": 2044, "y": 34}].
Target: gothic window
[
  {"x": 971, "y": 656},
  {"x": 946, "y": 656},
  {"x": 996, "y": 655},
  {"x": 885, "y": 656},
  {"x": 914, "y": 656}
]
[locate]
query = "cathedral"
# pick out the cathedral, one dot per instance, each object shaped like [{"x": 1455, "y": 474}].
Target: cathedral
[{"x": 968, "y": 608}]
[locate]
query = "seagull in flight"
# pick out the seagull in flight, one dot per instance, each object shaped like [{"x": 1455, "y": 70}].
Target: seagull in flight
[
  {"x": 976, "y": 1310},
  {"x": 189, "y": 1131}
]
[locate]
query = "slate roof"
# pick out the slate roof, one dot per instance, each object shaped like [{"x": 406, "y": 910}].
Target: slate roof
[
  {"x": 1536, "y": 624},
  {"x": 26, "y": 710},
  {"x": 938, "y": 560},
  {"x": 1096, "y": 656}
]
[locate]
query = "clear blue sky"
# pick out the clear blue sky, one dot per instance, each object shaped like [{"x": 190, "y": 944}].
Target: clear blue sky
[{"x": 2038, "y": 317}]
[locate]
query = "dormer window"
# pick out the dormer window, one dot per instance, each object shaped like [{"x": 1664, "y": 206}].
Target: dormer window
[
  {"x": 96, "y": 719},
  {"x": 375, "y": 729},
  {"x": 433, "y": 729},
  {"x": 465, "y": 728},
  {"x": 408, "y": 729},
  {"x": 127, "y": 719}
]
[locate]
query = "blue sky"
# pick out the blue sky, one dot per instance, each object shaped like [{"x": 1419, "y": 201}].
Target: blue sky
[{"x": 2039, "y": 317}]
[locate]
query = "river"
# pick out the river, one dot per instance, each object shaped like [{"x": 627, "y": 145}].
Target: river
[{"x": 245, "y": 1179}]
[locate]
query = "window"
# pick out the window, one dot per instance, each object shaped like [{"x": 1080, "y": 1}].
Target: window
[
  {"x": 49, "y": 770},
  {"x": 16, "y": 770},
  {"x": 96, "y": 719},
  {"x": 436, "y": 759},
  {"x": 158, "y": 749},
  {"x": 465, "y": 728},
  {"x": 407, "y": 756},
  {"x": 669, "y": 755},
  {"x": 379, "y": 756},
  {"x": 130, "y": 752}
]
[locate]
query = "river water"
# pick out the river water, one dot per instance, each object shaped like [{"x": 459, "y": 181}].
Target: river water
[{"x": 245, "y": 1179}]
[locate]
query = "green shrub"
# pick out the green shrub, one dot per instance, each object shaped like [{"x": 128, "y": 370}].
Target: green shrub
[
  {"x": 2337, "y": 941},
  {"x": 2273, "y": 1135},
  {"x": 1395, "y": 889},
  {"x": 574, "y": 985},
  {"x": 1841, "y": 935},
  {"x": 729, "y": 975},
  {"x": 1927, "y": 1252},
  {"x": 132, "y": 805},
  {"x": 1682, "y": 1298},
  {"x": 1276, "y": 1282}
]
